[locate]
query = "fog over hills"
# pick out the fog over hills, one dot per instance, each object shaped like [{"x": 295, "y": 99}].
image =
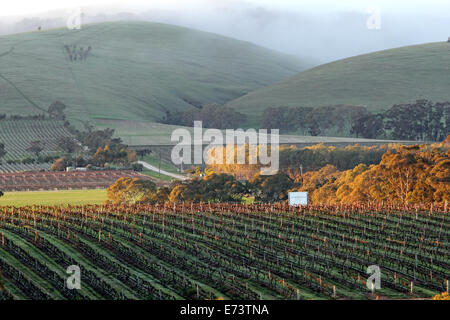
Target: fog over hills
[
  {"x": 318, "y": 31},
  {"x": 131, "y": 70},
  {"x": 376, "y": 81}
]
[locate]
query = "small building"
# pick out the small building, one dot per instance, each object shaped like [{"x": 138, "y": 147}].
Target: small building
[
  {"x": 298, "y": 198},
  {"x": 69, "y": 169}
]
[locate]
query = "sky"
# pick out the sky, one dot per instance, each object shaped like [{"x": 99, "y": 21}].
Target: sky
[
  {"x": 317, "y": 31},
  {"x": 361, "y": 5},
  {"x": 21, "y": 7},
  {"x": 25, "y": 7}
]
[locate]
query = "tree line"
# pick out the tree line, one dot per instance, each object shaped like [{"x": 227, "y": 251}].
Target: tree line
[
  {"x": 295, "y": 160},
  {"x": 89, "y": 147},
  {"x": 93, "y": 148},
  {"x": 419, "y": 121},
  {"x": 330, "y": 120},
  {"x": 422, "y": 120},
  {"x": 408, "y": 174},
  {"x": 212, "y": 116}
]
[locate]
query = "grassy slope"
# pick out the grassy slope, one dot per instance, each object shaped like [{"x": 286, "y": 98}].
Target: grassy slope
[
  {"x": 378, "y": 81},
  {"x": 142, "y": 133},
  {"x": 154, "y": 160},
  {"x": 162, "y": 178},
  {"x": 136, "y": 70},
  {"x": 73, "y": 197}
]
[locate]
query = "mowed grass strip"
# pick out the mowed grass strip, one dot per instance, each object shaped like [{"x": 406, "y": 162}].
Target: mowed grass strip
[{"x": 62, "y": 197}]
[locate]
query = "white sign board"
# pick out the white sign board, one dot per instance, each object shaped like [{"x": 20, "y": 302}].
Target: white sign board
[{"x": 298, "y": 198}]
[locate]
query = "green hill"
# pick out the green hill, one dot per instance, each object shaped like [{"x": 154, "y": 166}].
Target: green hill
[
  {"x": 134, "y": 70},
  {"x": 377, "y": 81}
]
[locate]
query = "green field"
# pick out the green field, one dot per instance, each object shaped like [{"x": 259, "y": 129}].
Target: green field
[
  {"x": 377, "y": 80},
  {"x": 154, "y": 160},
  {"x": 135, "y": 70},
  {"x": 63, "y": 197},
  {"x": 144, "y": 133},
  {"x": 157, "y": 175}
]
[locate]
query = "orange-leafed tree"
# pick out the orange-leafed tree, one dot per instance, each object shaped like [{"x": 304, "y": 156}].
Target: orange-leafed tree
[
  {"x": 408, "y": 174},
  {"x": 129, "y": 190},
  {"x": 59, "y": 165}
]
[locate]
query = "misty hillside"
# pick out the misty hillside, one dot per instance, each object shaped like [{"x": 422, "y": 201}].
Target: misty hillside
[
  {"x": 131, "y": 70},
  {"x": 377, "y": 81}
]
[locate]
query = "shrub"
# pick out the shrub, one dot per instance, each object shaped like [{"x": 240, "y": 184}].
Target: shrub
[
  {"x": 442, "y": 296},
  {"x": 27, "y": 160},
  {"x": 59, "y": 165},
  {"x": 137, "y": 167}
]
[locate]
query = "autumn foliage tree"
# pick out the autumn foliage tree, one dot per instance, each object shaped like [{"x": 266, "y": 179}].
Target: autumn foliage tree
[
  {"x": 130, "y": 191},
  {"x": 114, "y": 153},
  {"x": 59, "y": 165},
  {"x": 243, "y": 161},
  {"x": 159, "y": 195},
  {"x": 409, "y": 174},
  {"x": 311, "y": 158},
  {"x": 212, "y": 187},
  {"x": 442, "y": 296},
  {"x": 271, "y": 188}
]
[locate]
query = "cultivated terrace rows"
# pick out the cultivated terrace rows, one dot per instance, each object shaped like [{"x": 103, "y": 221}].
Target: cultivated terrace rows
[
  {"x": 18, "y": 134},
  {"x": 230, "y": 251},
  {"x": 31, "y": 181}
]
